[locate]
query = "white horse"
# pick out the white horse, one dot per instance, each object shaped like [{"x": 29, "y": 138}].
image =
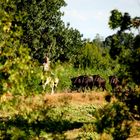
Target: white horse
[
  {"x": 52, "y": 82},
  {"x": 50, "y": 78}
]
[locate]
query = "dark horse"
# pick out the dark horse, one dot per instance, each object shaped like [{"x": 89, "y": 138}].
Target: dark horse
[
  {"x": 99, "y": 82},
  {"x": 82, "y": 82},
  {"x": 114, "y": 82}
]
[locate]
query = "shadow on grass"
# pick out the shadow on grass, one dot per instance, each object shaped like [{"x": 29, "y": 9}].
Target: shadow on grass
[{"x": 47, "y": 125}]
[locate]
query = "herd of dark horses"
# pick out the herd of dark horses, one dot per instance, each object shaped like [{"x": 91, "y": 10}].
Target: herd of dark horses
[{"x": 83, "y": 82}]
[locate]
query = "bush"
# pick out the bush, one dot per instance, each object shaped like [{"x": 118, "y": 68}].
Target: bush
[{"x": 114, "y": 119}]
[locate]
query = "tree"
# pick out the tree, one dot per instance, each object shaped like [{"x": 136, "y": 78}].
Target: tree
[
  {"x": 30, "y": 30},
  {"x": 115, "y": 19},
  {"x": 68, "y": 43},
  {"x": 134, "y": 65},
  {"x": 43, "y": 30},
  {"x": 41, "y": 22},
  {"x": 94, "y": 55},
  {"x": 125, "y": 46},
  {"x": 123, "y": 21},
  {"x": 17, "y": 68}
]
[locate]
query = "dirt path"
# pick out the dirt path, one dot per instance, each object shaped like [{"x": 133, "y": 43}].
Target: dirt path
[{"x": 77, "y": 98}]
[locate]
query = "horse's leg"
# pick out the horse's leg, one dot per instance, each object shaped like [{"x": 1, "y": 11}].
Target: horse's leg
[
  {"x": 44, "y": 85},
  {"x": 52, "y": 91},
  {"x": 52, "y": 86}
]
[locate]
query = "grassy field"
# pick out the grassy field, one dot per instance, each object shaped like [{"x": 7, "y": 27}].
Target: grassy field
[{"x": 59, "y": 116}]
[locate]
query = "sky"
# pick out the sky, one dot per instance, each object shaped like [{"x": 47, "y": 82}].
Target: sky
[{"x": 91, "y": 17}]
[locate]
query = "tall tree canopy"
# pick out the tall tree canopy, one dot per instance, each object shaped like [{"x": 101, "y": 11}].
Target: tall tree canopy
[
  {"x": 125, "y": 46},
  {"x": 30, "y": 30},
  {"x": 43, "y": 30},
  {"x": 41, "y": 21},
  {"x": 16, "y": 65},
  {"x": 123, "y": 21}
]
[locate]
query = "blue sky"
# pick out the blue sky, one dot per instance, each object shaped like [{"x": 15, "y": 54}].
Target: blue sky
[{"x": 91, "y": 17}]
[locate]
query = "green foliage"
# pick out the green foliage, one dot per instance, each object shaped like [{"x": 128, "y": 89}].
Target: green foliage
[
  {"x": 88, "y": 56},
  {"x": 120, "y": 46},
  {"x": 68, "y": 44},
  {"x": 122, "y": 112},
  {"x": 115, "y": 19},
  {"x": 124, "y": 46},
  {"x": 131, "y": 99},
  {"x": 119, "y": 20},
  {"x": 88, "y": 133},
  {"x": 134, "y": 67},
  {"x": 43, "y": 31},
  {"x": 123, "y": 49},
  {"x": 113, "y": 119},
  {"x": 30, "y": 30},
  {"x": 126, "y": 22},
  {"x": 19, "y": 73},
  {"x": 36, "y": 117},
  {"x": 33, "y": 117},
  {"x": 94, "y": 56},
  {"x": 66, "y": 71},
  {"x": 41, "y": 23}
]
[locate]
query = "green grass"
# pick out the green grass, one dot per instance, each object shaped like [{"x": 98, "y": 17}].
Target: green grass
[
  {"x": 66, "y": 71},
  {"x": 59, "y": 116},
  {"x": 31, "y": 117}
]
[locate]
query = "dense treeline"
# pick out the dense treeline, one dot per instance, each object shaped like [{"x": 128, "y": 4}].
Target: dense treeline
[{"x": 30, "y": 30}]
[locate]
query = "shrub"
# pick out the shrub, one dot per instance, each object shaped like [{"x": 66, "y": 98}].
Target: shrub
[{"x": 114, "y": 119}]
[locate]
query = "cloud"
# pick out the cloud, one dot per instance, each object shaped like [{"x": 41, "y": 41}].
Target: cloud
[
  {"x": 85, "y": 16},
  {"x": 76, "y": 15},
  {"x": 91, "y": 17}
]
